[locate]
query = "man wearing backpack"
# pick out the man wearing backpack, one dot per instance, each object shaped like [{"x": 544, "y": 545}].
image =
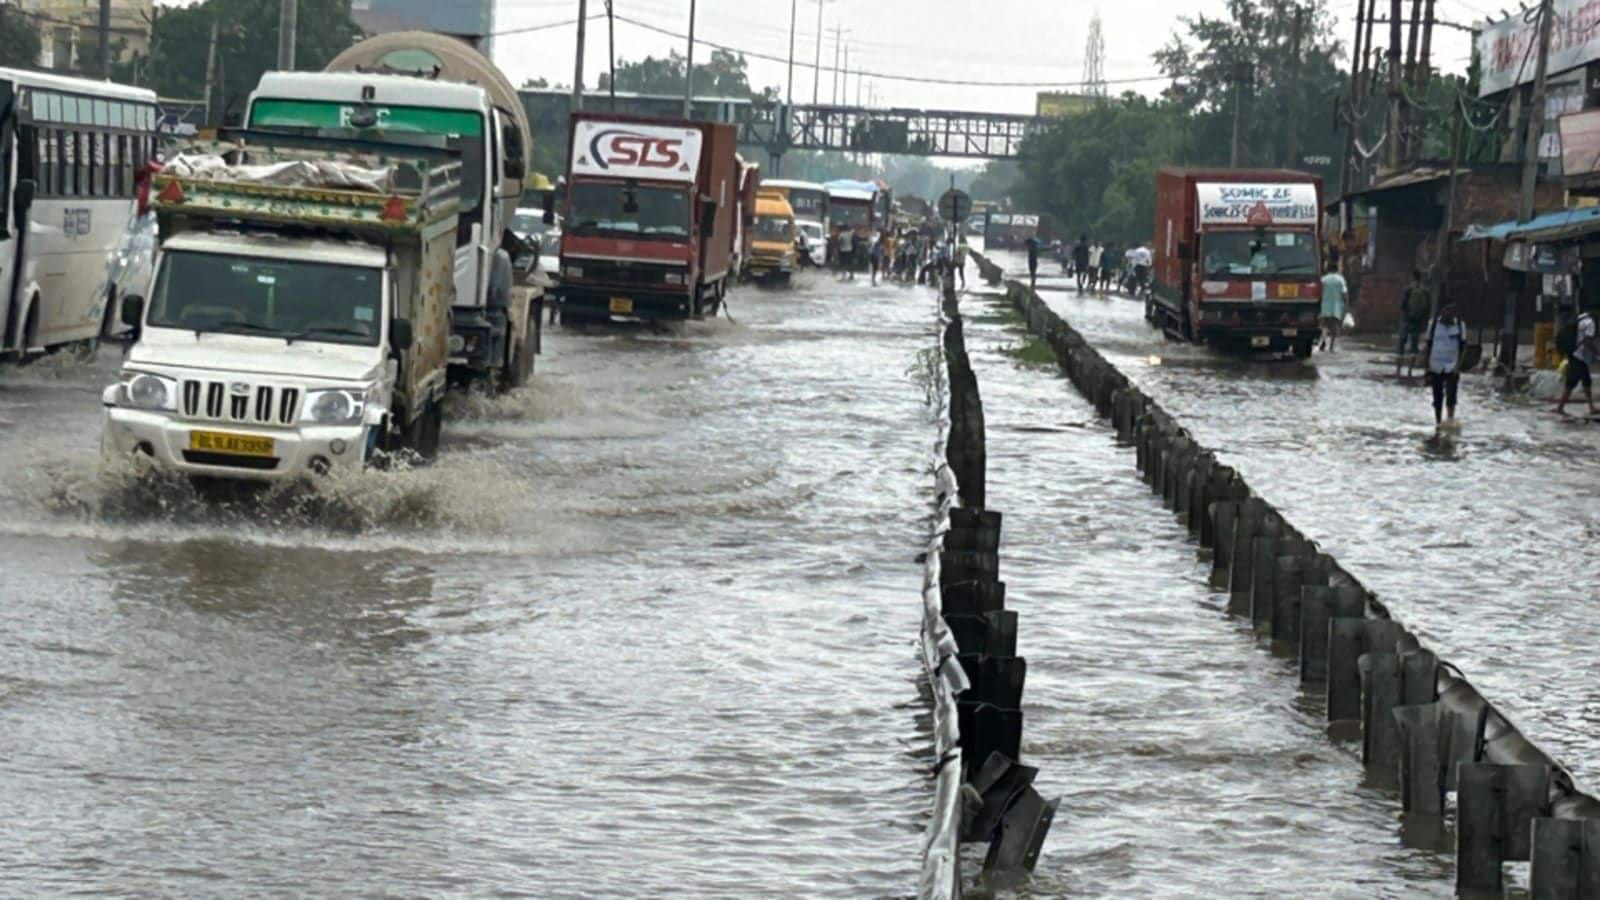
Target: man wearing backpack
[
  {"x": 1444, "y": 348},
  {"x": 1578, "y": 344},
  {"x": 1415, "y": 307}
]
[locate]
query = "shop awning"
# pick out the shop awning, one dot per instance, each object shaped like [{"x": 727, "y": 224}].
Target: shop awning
[{"x": 1561, "y": 225}]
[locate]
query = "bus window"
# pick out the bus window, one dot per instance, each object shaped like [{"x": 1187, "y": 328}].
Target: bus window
[
  {"x": 45, "y": 161},
  {"x": 102, "y": 171},
  {"x": 102, "y": 113}
]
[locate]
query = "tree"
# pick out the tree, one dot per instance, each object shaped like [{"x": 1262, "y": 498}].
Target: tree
[
  {"x": 726, "y": 74},
  {"x": 247, "y": 45},
  {"x": 19, "y": 38}
]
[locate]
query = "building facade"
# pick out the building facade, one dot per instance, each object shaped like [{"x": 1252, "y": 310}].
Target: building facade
[{"x": 69, "y": 39}]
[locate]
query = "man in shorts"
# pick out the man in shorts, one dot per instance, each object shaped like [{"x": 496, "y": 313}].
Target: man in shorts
[
  {"x": 1580, "y": 363},
  {"x": 1447, "y": 339},
  {"x": 1416, "y": 305},
  {"x": 1335, "y": 294}
]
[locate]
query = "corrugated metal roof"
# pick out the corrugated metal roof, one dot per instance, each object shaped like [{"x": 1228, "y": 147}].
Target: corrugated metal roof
[{"x": 1563, "y": 224}]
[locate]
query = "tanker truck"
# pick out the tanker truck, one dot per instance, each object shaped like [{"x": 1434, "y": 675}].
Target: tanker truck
[{"x": 408, "y": 87}]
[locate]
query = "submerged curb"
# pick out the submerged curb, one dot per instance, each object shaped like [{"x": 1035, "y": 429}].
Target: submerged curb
[{"x": 1425, "y": 730}]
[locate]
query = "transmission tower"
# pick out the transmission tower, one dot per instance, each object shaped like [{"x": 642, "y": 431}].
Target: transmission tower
[{"x": 1094, "y": 61}]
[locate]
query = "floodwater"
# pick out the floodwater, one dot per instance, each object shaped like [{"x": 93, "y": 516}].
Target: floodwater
[
  {"x": 647, "y": 628},
  {"x": 1486, "y": 544},
  {"x": 1186, "y": 761}
]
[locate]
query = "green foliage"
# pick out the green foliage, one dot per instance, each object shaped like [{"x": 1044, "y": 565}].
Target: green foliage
[
  {"x": 247, "y": 45},
  {"x": 1095, "y": 171},
  {"x": 19, "y": 39},
  {"x": 726, "y": 74}
]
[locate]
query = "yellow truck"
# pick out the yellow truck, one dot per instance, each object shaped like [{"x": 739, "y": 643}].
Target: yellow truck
[{"x": 772, "y": 247}]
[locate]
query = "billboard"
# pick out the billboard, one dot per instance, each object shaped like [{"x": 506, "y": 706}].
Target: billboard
[
  {"x": 627, "y": 150},
  {"x": 1507, "y": 48},
  {"x": 1059, "y": 104},
  {"x": 462, "y": 18},
  {"x": 1260, "y": 205}
]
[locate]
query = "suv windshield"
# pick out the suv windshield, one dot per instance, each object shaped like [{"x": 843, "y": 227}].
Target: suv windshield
[
  {"x": 1253, "y": 253},
  {"x": 601, "y": 207},
  {"x": 210, "y": 292},
  {"x": 854, "y": 215}
]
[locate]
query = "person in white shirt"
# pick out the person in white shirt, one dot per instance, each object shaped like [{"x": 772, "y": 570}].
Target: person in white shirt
[
  {"x": 1579, "y": 364},
  {"x": 1446, "y": 339}
]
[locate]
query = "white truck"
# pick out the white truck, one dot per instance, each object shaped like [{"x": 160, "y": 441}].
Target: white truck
[
  {"x": 400, "y": 85},
  {"x": 299, "y": 316}
]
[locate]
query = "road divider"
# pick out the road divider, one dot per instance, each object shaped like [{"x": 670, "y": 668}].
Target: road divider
[
  {"x": 974, "y": 677},
  {"x": 1426, "y": 733}
]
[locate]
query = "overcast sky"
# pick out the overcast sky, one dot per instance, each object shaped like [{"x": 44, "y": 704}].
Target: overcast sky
[{"x": 966, "y": 40}]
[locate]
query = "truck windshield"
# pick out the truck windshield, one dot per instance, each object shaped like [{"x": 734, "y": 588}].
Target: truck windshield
[
  {"x": 809, "y": 203},
  {"x": 854, "y": 215},
  {"x": 1252, "y": 253},
  {"x": 773, "y": 228},
  {"x": 602, "y": 208},
  {"x": 227, "y": 294}
]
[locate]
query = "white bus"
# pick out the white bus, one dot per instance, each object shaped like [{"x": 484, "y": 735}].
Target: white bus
[{"x": 69, "y": 152}]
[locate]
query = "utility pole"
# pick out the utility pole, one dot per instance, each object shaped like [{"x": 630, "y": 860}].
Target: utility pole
[
  {"x": 1292, "y": 141},
  {"x": 105, "y": 38},
  {"x": 288, "y": 20},
  {"x": 1394, "y": 84},
  {"x": 794, "y": 11},
  {"x": 838, "y": 44},
  {"x": 816, "y": 71},
  {"x": 1408, "y": 76},
  {"x": 688, "y": 81},
  {"x": 611, "y": 54},
  {"x": 1241, "y": 74},
  {"x": 1530, "y": 175},
  {"x": 577, "y": 74},
  {"x": 211, "y": 67},
  {"x": 1441, "y": 277},
  {"x": 844, "y": 89}
]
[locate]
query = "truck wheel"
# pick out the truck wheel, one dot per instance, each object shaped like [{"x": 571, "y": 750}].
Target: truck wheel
[
  {"x": 1302, "y": 349},
  {"x": 520, "y": 365},
  {"x": 426, "y": 431}
]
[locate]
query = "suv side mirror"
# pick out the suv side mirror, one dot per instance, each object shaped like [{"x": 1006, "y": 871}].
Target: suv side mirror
[
  {"x": 400, "y": 336},
  {"x": 22, "y": 197},
  {"x": 132, "y": 310}
]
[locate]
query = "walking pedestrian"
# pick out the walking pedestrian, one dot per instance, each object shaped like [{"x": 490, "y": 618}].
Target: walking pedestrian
[
  {"x": 847, "y": 255},
  {"x": 1080, "y": 261},
  {"x": 875, "y": 258},
  {"x": 1579, "y": 363},
  {"x": 1446, "y": 339},
  {"x": 1096, "y": 253},
  {"x": 961, "y": 260},
  {"x": 1335, "y": 292},
  {"x": 1106, "y": 274},
  {"x": 1033, "y": 262},
  {"x": 1416, "y": 305}
]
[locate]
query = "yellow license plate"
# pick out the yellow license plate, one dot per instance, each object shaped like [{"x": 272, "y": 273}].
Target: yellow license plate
[
  {"x": 1288, "y": 290},
  {"x": 621, "y": 306},
  {"x": 236, "y": 444}
]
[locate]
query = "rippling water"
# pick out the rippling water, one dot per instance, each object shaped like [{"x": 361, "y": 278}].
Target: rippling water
[
  {"x": 646, "y": 628},
  {"x": 1487, "y": 545}
]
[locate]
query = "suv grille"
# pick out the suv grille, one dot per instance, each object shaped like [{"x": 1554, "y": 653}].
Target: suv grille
[
  {"x": 614, "y": 272},
  {"x": 222, "y": 401}
]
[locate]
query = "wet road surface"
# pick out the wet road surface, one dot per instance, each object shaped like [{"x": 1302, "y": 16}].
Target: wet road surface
[
  {"x": 646, "y": 628},
  {"x": 1486, "y": 545}
]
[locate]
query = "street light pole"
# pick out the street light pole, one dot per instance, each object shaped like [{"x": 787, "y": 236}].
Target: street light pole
[
  {"x": 688, "y": 81},
  {"x": 288, "y": 19}
]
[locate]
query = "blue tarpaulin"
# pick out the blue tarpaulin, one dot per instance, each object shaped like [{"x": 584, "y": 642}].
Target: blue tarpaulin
[{"x": 1552, "y": 226}]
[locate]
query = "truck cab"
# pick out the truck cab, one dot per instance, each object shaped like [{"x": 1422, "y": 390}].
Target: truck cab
[
  {"x": 289, "y": 329},
  {"x": 772, "y": 252},
  {"x": 1237, "y": 258}
]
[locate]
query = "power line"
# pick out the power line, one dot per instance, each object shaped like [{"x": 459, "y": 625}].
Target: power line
[{"x": 885, "y": 76}]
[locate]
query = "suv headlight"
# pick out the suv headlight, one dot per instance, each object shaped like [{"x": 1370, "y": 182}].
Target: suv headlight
[
  {"x": 673, "y": 278},
  {"x": 334, "y": 407},
  {"x": 141, "y": 390}
]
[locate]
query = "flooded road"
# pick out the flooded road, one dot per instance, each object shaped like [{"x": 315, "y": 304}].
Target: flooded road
[
  {"x": 1186, "y": 765},
  {"x": 1487, "y": 546},
  {"x": 646, "y": 628}
]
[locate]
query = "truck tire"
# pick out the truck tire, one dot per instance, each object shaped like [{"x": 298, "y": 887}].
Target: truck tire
[
  {"x": 426, "y": 431},
  {"x": 520, "y": 366}
]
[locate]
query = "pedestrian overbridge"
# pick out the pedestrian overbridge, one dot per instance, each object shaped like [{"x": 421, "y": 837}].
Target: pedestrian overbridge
[{"x": 778, "y": 128}]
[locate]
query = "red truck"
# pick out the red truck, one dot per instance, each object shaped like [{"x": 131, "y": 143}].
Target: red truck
[
  {"x": 1237, "y": 257},
  {"x": 651, "y": 214}
]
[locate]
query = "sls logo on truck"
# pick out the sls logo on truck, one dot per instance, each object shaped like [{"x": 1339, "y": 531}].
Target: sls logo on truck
[
  {"x": 630, "y": 148},
  {"x": 635, "y": 150}
]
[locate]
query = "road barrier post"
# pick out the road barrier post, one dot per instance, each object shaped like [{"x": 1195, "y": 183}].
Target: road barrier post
[
  {"x": 1566, "y": 859},
  {"x": 1421, "y": 758},
  {"x": 1380, "y": 694},
  {"x": 1495, "y": 809}
]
